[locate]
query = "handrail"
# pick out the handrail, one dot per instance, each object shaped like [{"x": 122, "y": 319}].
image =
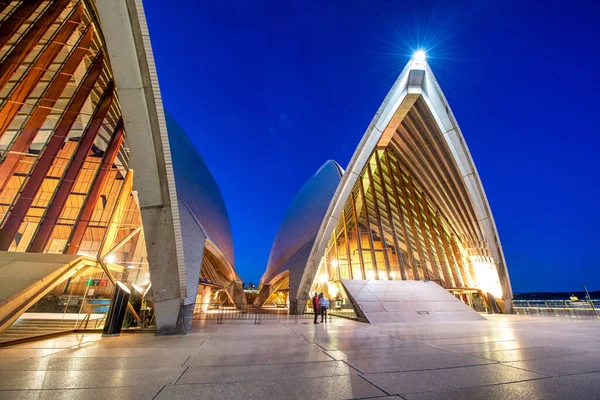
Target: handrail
[
  {"x": 558, "y": 304},
  {"x": 571, "y": 308},
  {"x": 221, "y": 312}
]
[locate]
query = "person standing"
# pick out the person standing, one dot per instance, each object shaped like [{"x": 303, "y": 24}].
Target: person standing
[
  {"x": 315, "y": 304},
  {"x": 323, "y": 306}
]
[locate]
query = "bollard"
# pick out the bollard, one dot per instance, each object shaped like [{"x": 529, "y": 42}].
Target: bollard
[{"x": 116, "y": 313}]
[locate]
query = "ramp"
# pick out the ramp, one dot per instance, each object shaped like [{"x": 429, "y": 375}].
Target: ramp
[{"x": 406, "y": 301}]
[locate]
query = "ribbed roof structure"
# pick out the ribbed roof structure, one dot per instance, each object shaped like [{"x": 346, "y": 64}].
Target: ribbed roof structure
[{"x": 416, "y": 124}]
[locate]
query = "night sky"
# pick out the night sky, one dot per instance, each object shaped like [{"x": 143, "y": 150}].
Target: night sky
[{"x": 268, "y": 91}]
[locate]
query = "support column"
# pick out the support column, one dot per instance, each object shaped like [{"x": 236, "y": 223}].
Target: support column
[
  {"x": 69, "y": 178},
  {"x": 390, "y": 215},
  {"x": 467, "y": 276},
  {"x": 337, "y": 257},
  {"x": 126, "y": 35},
  {"x": 348, "y": 254},
  {"x": 436, "y": 242},
  {"x": 453, "y": 268},
  {"x": 358, "y": 239},
  {"x": 413, "y": 195},
  {"x": 413, "y": 227},
  {"x": 368, "y": 223},
  {"x": 379, "y": 221},
  {"x": 401, "y": 217}
]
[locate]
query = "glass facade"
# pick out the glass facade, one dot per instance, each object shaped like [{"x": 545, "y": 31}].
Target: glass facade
[
  {"x": 65, "y": 186},
  {"x": 389, "y": 229},
  {"x": 66, "y": 190}
]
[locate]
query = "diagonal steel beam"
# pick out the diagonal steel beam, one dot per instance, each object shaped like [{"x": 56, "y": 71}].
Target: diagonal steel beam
[
  {"x": 28, "y": 41},
  {"x": 46, "y": 104},
  {"x": 94, "y": 194},
  {"x": 16, "y": 19},
  {"x": 23, "y": 89},
  {"x": 55, "y": 208},
  {"x": 57, "y": 138}
]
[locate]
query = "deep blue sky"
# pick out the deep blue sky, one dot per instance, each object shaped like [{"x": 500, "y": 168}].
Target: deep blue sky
[{"x": 270, "y": 90}]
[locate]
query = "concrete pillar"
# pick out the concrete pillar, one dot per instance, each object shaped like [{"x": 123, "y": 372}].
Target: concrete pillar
[
  {"x": 188, "y": 314},
  {"x": 128, "y": 46},
  {"x": 236, "y": 292}
]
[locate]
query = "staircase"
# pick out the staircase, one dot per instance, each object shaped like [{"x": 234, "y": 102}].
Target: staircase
[{"x": 31, "y": 327}]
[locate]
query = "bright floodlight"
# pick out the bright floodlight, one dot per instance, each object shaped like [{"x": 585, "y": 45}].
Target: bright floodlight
[{"x": 419, "y": 56}]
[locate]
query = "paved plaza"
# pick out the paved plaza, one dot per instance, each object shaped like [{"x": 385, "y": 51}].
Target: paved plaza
[{"x": 505, "y": 357}]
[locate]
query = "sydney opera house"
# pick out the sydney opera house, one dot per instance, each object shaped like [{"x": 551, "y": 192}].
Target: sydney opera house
[
  {"x": 97, "y": 196},
  {"x": 405, "y": 232},
  {"x": 95, "y": 182}
]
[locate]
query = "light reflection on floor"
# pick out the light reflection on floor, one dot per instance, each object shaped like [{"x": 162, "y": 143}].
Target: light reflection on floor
[{"x": 505, "y": 357}]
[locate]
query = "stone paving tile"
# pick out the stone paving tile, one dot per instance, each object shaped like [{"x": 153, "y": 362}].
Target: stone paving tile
[
  {"x": 51, "y": 363},
  {"x": 11, "y": 380},
  {"x": 251, "y": 373},
  {"x": 485, "y": 346},
  {"x": 451, "y": 378},
  {"x": 341, "y": 344},
  {"x": 312, "y": 355},
  {"x": 466, "y": 340},
  {"x": 126, "y": 352},
  {"x": 55, "y": 344},
  {"x": 153, "y": 342},
  {"x": 539, "y": 389},
  {"x": 343, "y": 334},
  {"x": 383, "y": 353},
  {"x": 529, "y": 353},
  {"x": 384, "y": 398},
  {"x": 23, "y": 352},
  {"x": 120, "y": 393},
  {"x": 586, "y": 345},
  {"x": 591, "y": 380},
  {"x": 325, "y": 388},
  {"x": 279, "y": 359},
  {"x": 397, "y": 364},
  {"x": 8, "y": 362},
  {"x": 219, "y": 348},
  {"x": 558, "y": 366}
]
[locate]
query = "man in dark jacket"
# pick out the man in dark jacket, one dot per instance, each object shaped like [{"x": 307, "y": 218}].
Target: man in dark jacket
[{"x": 315, "y": 304}]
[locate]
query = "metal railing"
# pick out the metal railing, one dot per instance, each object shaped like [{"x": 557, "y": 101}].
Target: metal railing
[
  {"x": 248, "y": 312},
  {"x": 344, "y": 312},
  {"x": 571, "y": 308}
]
